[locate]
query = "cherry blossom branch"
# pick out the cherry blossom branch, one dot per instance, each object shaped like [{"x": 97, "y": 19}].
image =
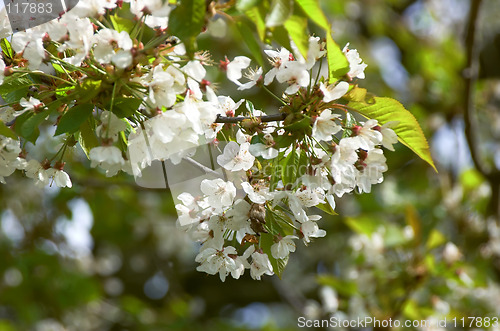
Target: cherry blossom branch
[{"x": 237, "y": 119}]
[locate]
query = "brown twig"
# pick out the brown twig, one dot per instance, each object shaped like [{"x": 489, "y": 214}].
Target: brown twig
[
  {"x": 237, "y": 119},
  {"x": 470, "y": 77}
]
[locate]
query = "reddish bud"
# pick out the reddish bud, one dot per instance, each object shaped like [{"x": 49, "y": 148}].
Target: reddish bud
[
  {"x": 203, "y": 85},
  {"x": 45, "y": 164},
  {"x": 223, "y": 64},
  {"x": 356, "y": 129},
  {"x": 8, "y": 71},
  {"x": 59, "y": 165}
]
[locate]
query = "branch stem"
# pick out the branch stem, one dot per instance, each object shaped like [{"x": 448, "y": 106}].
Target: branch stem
[{"x": 263, "y": 119}]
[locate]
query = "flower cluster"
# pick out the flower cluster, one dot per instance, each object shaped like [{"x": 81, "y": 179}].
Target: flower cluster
[{"x": 283, "y": 168}]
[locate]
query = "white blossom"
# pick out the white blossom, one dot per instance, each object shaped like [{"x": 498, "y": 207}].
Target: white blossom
[
  {"x": 266, "y": 151},
  {"x": 9, "y": 157},
  {"x": 253, "y": 76},
  {"x": 113, "y": 47},
  {"x": 310, "y": 229},
  {"x": 2, "y": 71},
  {"x": 93, "y": 8},
  {"x": 283, "y": 247},
  {"x": 220, "y": 193},
  {"x": 325, "y": 126},
  {"x": 366, "y": 137},
  {"x": 59, "y": 177},
  {"x": 110, "y": 128},
  {"x": 389, "y": 137},
  {"x": 315, "y": 51},
  {"x": 29, "y": 104},
  {"x": 278, "y": 60},
  {"x": 296, "y": 75},
  {"x": 237, "y": 218},
  {"x": 373, "y": 167},
  {"x": 30, "y": 43},
  {"x": 81, "y": 34},
  {"x": 258, "y": 193},
  {"x": 195, "y": 73},
  {"x": 236, "y": 157},
  {"x": 163, "y": 89},
  {"x": 333, "y": 92},
  {"x": 241, "y": 263},
  {"x": 235, "y": 67},
  {"x": 260, "y": 265},
  {"x": 108, "y": 158},
  {"x": 5, "y": 30},
  {"x": 310, "y": 197},
  {"x": 356, "y": 65},
  {"x": 217, "y": 261}
]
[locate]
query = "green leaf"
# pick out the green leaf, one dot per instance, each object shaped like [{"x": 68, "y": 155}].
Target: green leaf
[
  {"x": 315, "y": 13},
  {"x": 33, "y": 122},
  {"x": 356, "y": 94},
  {"x": 279, "y": 12},
  {"x": 249, "y": 106},
  {"x": 87, "y": 137},
  {"x": 284, "y": 222},
  {"x": 19, "y": 124},
  {"x": 15, "y": 83},
  {"x": 247, "y": 35},
  {"x": 62, "y": 70},
  {"x": 290, "y": 167},
  {"x": 6, "y": 131},
  {"x": 125, "y": 107},
  {"x": 71, "y": 121},
  {"x": 244, "y": 5},
  {"x": 338, "y": 65},
  {"x": 280, "y": 34},
  {"x": 275, "y": 175},
  {"x": 408, "y": 130},
  {"x": 284, "y": 141},
  {"x": 297, "y": 29},
  {"x": 302, "y": 125},
  {"x": 122, "y": 24},
  {"x": 266, "y": 241},
  {"x": 6, "y": 48},
  {"x": 88, "y": 90},
  {"x": 303, "y": 164},
  {"x": 350, "y": 121},
  {"x": 186, "y": 22},
  {"x": 256, "y": 16},
  {"x": 326, "y": 208}
]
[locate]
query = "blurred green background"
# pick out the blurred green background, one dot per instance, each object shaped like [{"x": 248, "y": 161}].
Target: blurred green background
[{"x": 106, "y": 254}]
